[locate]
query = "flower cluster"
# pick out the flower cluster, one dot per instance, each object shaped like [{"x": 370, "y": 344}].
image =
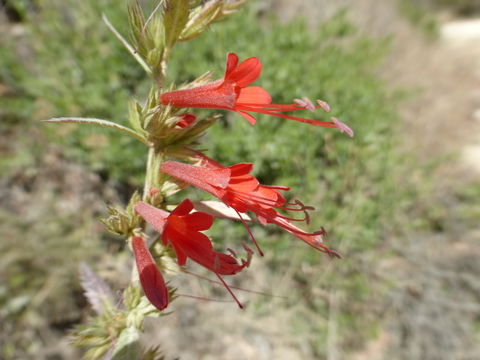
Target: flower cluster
[{"x": 233, "y": 185}]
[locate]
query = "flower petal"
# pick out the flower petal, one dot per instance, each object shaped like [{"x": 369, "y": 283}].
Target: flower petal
[
  {"x": 232, "y": 61},
  {"x": 183, "y": 208},
  {"x": 199, "y": 221},
  {"x": 241, "y": 169},
  {"x": 247, "y": 72},
  {"x": 247, "y": 116},
  {"x": 254, "y": 95}
]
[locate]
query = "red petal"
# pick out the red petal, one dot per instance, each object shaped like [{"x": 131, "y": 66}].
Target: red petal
[
  {"x": 241, "y": 169},
  {"x": 199, "y": 221},
  {"x": 155, "y": 217},
  {"x": 183, "y": 208},
  {"x": 202, "y": 253},
  {"x": 232, "y": 61},
  {"x": 150, "y": 277},
  {"x": 254, "y": 95},
  {"x": 247, "y": 72},
  {"x": 247, "y": 116},
  {"x": 181, "y": 256}
]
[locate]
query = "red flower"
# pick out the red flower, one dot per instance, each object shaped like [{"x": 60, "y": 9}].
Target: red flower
[
  {"x": 182, "y": 229},
  {"x": 186, "y": 120},
  {"x": 238, "y": 189},
  {"x": 232, "y": 93},
  {"x": 150, "y": 277}
]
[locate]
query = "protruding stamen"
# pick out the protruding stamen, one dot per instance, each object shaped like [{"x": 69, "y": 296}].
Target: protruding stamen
[
  {"x": 300, "y": 102},
  {"x": 323, "y": 105},
  {"x": 324, "y": 231},
  {"x": 230, "y": 291},
  {"x": 305, "y": 209},
  {"x": 342, "y": 127},
  {"x": 306, "y": 103},
  {"x": 246, "y": 263},
  {"x": 333, "y": 253},
  {"x": 250, "y": 233},
  {"x": 202, "y": 298},
  {"x": 232, "y": 287},
  {"x": 234, "y": 254}
]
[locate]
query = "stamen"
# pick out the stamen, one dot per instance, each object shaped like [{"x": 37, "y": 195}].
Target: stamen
[
  {"x": 300, "y": 102},
  {"x": 308, "y": 104},
  {"x": 324, "y": 231},
  {"x": 232, "y": 252},
  {"x": 324, "y": 105},
  {"x": 291, "y": 219},
  {"x": 333, "y": 253},
  {"x": 342, "y": 127},
  {"x": 324, "y": 249},
  {"x": 246, "y": 263},
  {"x": 295, "y": 118},
  {"x": 233, "y": 287},
  {"x": 230, "y": 291},
  {"x": 250, "y": 233},
  {"x": 279, "y": 220},
  {"x": 203, "y": 298},
  {"x": 305, "y": 210},
  {"x": 277, "y": 187}
]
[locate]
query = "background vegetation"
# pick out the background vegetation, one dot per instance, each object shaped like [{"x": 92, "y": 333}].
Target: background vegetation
[{"x": 59, "y": 59}]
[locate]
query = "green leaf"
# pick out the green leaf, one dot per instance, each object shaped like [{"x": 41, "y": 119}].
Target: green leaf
[
  {"x": 103, "y": 123},
  {"x": 175, "y": 17},
  {"x": 129, "y": 47},
  {"x": 135, "y": 114}
]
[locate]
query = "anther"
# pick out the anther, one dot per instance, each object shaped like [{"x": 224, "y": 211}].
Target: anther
[
  {"x": 342, "y": 127},
  {"x": 323, "y": 105}
]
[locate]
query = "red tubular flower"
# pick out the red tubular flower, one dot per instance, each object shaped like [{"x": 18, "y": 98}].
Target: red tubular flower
[
  {"x": 150, "y": 277},
  {"x": 182, "y": 229},
  {"x": 232, "y": 93},
  {"x": 238, "y": 189}
]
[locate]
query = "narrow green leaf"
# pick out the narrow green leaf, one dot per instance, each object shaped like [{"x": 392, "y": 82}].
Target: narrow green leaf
[
  {"x": 129, "y": 47},
  {"x": 103, "y": 123},
  {"x": 135, "y": 114}
]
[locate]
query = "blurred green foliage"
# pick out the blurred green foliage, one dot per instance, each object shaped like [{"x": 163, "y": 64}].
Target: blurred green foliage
[
  {"x": 420, "y": 15},
  {"x": 66, "y": 63}
]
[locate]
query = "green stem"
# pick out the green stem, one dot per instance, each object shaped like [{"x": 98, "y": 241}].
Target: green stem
[{"x": 148, "y": 177}]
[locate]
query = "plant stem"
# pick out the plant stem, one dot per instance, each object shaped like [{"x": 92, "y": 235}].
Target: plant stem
[{"x": 148, "y": 173}]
